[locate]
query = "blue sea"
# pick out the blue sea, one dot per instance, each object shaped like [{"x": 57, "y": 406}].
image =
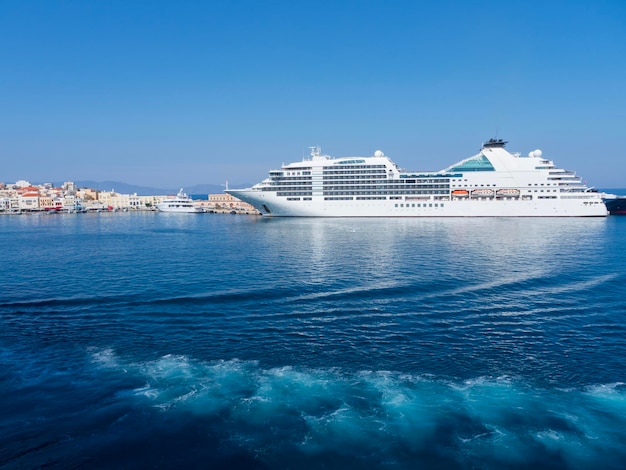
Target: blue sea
[{"x": 151, "y": 340}]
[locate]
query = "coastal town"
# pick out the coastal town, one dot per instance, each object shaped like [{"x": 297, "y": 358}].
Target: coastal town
[{"x": 22, "y": 197}]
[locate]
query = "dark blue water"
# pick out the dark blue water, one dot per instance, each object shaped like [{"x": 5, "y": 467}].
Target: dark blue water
[{"x": 145, "y": 340}]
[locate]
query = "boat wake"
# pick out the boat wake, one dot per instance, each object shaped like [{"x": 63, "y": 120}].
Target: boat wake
[{"x": 383, "y": 418}]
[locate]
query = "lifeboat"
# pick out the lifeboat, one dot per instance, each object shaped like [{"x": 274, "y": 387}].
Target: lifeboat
[
  {"x": 508, "y": 192},
  {"x": 460, "y": 193},
  {"x": 482, "y": 192}
]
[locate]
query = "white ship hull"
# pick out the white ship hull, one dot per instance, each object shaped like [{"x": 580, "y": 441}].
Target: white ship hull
[
  {"x": 279, "y": 207},
  {"x": 181, "y": 204},
  {"x": 493, "y": 183},
  {"x": 189, "y": 210}
]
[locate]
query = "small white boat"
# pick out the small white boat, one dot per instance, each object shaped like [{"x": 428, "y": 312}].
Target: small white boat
[{"x": 179, "y": 203}]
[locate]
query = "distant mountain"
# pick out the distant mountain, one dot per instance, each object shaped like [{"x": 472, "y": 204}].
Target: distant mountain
[{"x": 125, "y": 188}]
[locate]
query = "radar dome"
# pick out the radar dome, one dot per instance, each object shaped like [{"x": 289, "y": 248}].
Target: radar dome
[
  {"x": 378, "y": 153},
  {"x": 535, "y": 154}
]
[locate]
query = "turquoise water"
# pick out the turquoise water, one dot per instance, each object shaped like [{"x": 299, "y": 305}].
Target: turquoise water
[{"x": 142, "y": 340}]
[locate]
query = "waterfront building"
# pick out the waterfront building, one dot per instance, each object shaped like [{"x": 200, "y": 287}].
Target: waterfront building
[
  {"x": 146, "y": 202},
  {"x": 224, "y": 202},
  {"x": 29, "y": 201},
  {"x": 22, "y": 184},
  {"x": 47, "y": 202},
  {"x": 69, "y": 202},
  {"x": 87, "y": 194}
]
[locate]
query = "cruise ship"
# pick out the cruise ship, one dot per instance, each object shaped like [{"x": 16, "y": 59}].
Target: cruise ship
[{"x": 493, "y": 183}]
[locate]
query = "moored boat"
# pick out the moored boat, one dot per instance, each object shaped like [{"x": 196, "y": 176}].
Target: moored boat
[
  {"x": 375, "y": 186},
  {"x": 616, "y": 205},
  {"x": 179, "y": 203}
]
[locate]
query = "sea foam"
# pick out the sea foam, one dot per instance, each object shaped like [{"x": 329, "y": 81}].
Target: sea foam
[{"x": 392, "y": 418}]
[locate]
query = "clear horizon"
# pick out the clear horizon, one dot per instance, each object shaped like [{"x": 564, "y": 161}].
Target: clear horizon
[{"x": 179, "y": 94}]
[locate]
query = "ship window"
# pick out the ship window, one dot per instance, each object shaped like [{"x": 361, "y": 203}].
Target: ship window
[{"x": 478, "y": 163}]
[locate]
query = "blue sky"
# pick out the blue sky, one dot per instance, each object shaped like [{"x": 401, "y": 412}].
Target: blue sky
[{"x": 177, "y": 93}]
